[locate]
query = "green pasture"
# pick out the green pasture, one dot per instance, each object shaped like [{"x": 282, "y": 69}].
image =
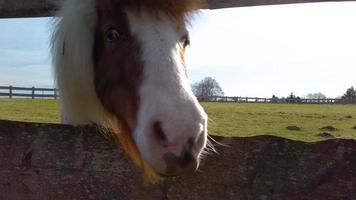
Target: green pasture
[
  {"x": 249, "y": 119},
  {"x": 29, "y": 110},
  {"x": 228, "y": 119}
]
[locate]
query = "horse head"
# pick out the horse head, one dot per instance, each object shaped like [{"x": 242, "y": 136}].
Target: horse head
[{"x": 120, "y": 63}]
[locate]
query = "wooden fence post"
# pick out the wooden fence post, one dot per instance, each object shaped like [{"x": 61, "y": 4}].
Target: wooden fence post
[
  {"x": 33, "y": 92},
  {"x": 55, "y": 93},
  {"x": 10, "y": 92}
]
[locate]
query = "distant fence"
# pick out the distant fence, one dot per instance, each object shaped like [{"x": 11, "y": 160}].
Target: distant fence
[
  {"x": 275, "y": 100},
  {"x": 28, "y": 92},
  {"x": 51, "y": 93}
]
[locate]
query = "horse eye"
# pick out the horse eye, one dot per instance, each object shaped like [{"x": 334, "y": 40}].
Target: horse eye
[
  {"x": 113, "y": 35},
  {"x": 185, "y": 41}
]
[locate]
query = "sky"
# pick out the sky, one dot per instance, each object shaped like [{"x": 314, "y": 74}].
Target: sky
[{"x": 251, "y": 51}]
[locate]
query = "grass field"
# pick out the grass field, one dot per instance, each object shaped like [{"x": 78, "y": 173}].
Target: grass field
[
  {"x": 228, "y": 119},
  {"x": 272, "y": 119},
  {"x": 46, "y": 111}
]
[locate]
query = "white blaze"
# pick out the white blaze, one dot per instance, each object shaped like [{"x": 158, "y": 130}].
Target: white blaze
[{"x": 165, "y": 93}]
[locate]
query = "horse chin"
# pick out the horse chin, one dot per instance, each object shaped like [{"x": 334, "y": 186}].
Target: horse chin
[
  {"x": 166, "y": 171},
  {"x": 186, "y": 171},
  {"x": 168, "y": 162}
]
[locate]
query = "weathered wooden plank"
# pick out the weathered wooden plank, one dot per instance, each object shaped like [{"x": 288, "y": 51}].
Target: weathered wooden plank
[
  {"x": 216, "y": 4},
  {"x": 42, "y": 161},
  {"x": 26, "y": 8},
  {"x": 41, "y": 8}
]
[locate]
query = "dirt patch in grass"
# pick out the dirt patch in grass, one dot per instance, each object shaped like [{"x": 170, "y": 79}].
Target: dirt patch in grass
[
  {"x": 348, "y": 116},
  {"x": 354, "y": 127},
  {"x": 328, "y": 128},
  {"x": 325, "y": 135},
  {"x": 293, "y": 128}
]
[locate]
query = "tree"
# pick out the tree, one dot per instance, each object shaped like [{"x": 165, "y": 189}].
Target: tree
[
  {"x": 350, "y": 93},
  {"x": 292, "y": 98},
  {"x": 317, "y": 95},
  {"x": 207, "y": 87},
  {"x": 274, "y": 99}
]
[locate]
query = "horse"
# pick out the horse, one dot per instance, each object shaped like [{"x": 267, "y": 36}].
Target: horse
[{"x": 120, "y": 64}]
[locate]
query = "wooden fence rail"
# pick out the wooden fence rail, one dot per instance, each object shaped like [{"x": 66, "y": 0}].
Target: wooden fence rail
[
  {"x": 47, "y": 161},
  {"x": 52, "y": 93},
  {"x": 275, "y": 100},
  {"x": 28, "y": 92},
  {"x": 45, "y": 8}
]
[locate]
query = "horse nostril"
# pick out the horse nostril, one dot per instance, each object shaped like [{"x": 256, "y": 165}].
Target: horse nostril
[
  {"x": 157, "y": 129},
  {"x": 186, "y": 159},
  {"x": 190, "y": 144}
]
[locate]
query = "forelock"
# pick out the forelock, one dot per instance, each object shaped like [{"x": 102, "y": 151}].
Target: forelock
[{"x": 175, "y": 9}]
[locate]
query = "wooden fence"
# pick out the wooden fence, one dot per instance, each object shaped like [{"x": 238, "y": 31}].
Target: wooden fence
[
  {"x": 275, "y": 100},
  {"x": 51, "y": 93},
  {"x": 25, "y": 92},
  {"x": 45, "y": 8},
  {"x": 48, "y": 161}
]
